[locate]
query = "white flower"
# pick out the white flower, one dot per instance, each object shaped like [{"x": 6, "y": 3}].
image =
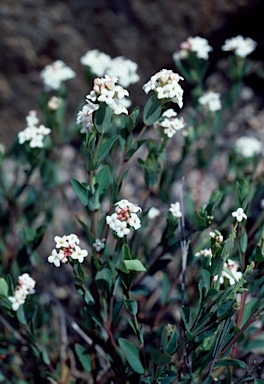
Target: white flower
[
  {"x": 170, "y": 123},
  {"x": 134, "y": 221},
  {"x": 122, "y": 230},
  {"x": 55, "y": 258},
  {"x": 165, "y": 84},
  {"x": 18, "y": 299},
  {"x": 32, "y": 119},
  {"x": 211, "y": 100},
  {"x": 37, "y": 142},
  {"x": 32, "y": 133},
  {"x": 54, "y": 74},
  {"x": 42, "y": 130},
  {"x": 85, "y": 118},
  {"x": 113, "y": 221},
  {"x": 54, "y": 103},
  {"x": 239, "y": 214},
  {"x": 98, "y": 245},
  {"x": 97, "y": 61},
  {"x": 61, "y": 242},
  {"x": 72, "y": 240},
  {"x": 196, "y": 44},
  {"x": 248, "y": 146},
  {"x": 241, "y": 46},
  {"x": 234, "y": 274},
  {"x": 153, "y": 212},
  {"x": 123, "y": 203},
  {"x": 175, "y": 209},
  {"x": 124, "y": 69},
  {"x": 79, "y": 254},
  {"x": 27, "y": 283}
]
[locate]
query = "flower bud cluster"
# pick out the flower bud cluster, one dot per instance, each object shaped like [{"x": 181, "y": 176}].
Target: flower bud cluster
[
  {"x": 67, "y": 249},
  {"x": 169, "y": 123},
  {"x": 25, "y": 287},
  {"x": 165, "y": 84},
  {"x": 33, "y": 133},
  {"x": 54, "y": 74},
  {"x": 124, "y": 218}
]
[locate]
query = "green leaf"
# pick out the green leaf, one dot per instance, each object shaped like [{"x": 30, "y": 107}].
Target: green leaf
[
  {"x": 134, "y": 265},
  {"x": 243, "y": 241},
  {"x": 103, "y": 178},
  {"x": 217, "y": 266},
  {"x": 93, "y": 201},
  {"x": 84, "y": 357},
  {"x": 172, "y": 344},
  {"x": 45, "y": 357},
  {"x": 81, "y": 191},
  {"x": 133, "y": 119},
  {"x": 21, "y": 315},
  {"x": 125, "y": 253},
  {"x": 86, "y": 229},
  {"x": 229, "y": 244},
  {"x": 132, "y": 306},
  {"x": 207, "y": 280},
  {"x": 3, "y": 287},
  {"x": 152, "y": 110},
  {"x": 104, "y": 279},
  {"x": 104, "y": 149},
  {"x": 102, "y": 118},
  {"x": 88, "y": 297},
  {"x": 231, "y": 363},
  {"x": 165, "y": 288},
  {"x": 159, "y": 357},
  {"x": 132, "y": 354}
]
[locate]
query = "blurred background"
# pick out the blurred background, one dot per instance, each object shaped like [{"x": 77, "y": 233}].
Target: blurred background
[{"x": 35, "y": 33}]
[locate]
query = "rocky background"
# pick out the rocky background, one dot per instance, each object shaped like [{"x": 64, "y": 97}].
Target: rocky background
[{"x": 35, "y": 33}]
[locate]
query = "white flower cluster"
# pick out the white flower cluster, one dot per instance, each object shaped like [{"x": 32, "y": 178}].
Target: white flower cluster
[
  {"x": 165, "y": 84},
  {"x": 196, "y": 44},
  {"x": 54, "y": 74},
  {"x": 124, "y": 218},
  {"x": 248, "y": 146},
  {"x": 33, "y": 133},
  {"x": 211, "y": 100},
  {"x": 106, "y": 91},
  {"x": 25, "y": 287},
  {"x": 175, "y": 209},
  {"x": 121, "y": 67},
  {"x": 239, "y": 214},
  {"x": 207, "y": 252},
  {"x": 241, "y": 46},
  {"x": 232, "y": 266},
  {"x": 85, "y": 118},
  {"x": 153, "y": 213},
  {"x": 67, "y": 250},
  {"x": 169, "y": 122}
]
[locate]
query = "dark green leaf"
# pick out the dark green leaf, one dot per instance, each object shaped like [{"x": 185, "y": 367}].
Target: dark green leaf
[
  {"x": 84, "y": 357},
  {"x": 21, "y": 315},
  {"x": 132, "y": 306},
  {"x": 231, "y": 363},
  {"x": 134, "y": 265},
  {"x": 3, "y": 287},
  {"x": 88, "y": 297},
  {"x": 93, "y": 201},
  {"x": 159, "y": 357},
  {"x": 102, "y": 118},
  {"x": 86, "y": 229},
  {"x": 132, "y": 354},
  {"x": 103, "y": 178},
  {"x": 152, "y": 110},
  {"x": 172, "y": 344},
  {"x": 81, "y": 191},
  {"x": 104, "y": 149}
]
